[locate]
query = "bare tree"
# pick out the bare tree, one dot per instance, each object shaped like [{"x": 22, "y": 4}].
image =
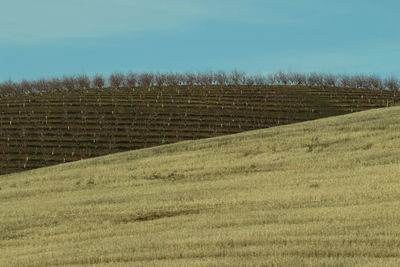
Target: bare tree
[
  {"x": 146, "y": 79},
  {"x": 259, "y": 79},
  {"x": 315, "y": 79},
  {"x": 199, "y": 78},
  {"x": 160, "y": 79},
  {"x": 83, "y": 81},
  {"x": 271, "y": 79},
  {"x": 17, "y": 89},
  {"x": 117, "y": 79},
  {"x": 69, "y": 83},
  {"x": 392, "y": 84},
  {"x": 375, "y": 82},
  {"x": 26, "y": 86},
  {"x": 221, "y": 78},
  {"x": 98, "y": 81},
  {"x": 330, "y": 80},
  {"x": 282, "y": 78},
  {"x": 359, "y": 81},
  {"x": 249, "y": 80},
  {"x": 296, "y": 78},
  {"x": 205, "y": 78},
  {"x": 131, "y": 79},
  {"x": 42, "y": 85},
  {"x": 55, "y": 84},
  {"x": 172, "y": 79},
  {"x": 345, "y": 80},
  {"x": 237, "y": 77},
  {"x": 8, "y": 88},
  {"x": 189, "y": 78},
  {"x": 180, "y": 77}
]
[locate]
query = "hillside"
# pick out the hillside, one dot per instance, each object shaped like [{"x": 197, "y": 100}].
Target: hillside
[
  {"x": 43, "y": 129},
  {"x": 318, "y": 193}
]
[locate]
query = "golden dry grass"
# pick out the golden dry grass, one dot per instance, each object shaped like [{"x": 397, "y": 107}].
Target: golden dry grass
[{"x": 319, "y": 193}]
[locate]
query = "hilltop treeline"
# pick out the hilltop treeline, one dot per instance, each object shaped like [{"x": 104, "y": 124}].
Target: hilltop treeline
[{"x": 148, "y": 79}]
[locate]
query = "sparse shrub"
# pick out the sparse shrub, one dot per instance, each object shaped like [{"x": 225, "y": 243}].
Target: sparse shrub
[
  {"x": 367, "y": 146},
  {"x": 313, "y": 144}
]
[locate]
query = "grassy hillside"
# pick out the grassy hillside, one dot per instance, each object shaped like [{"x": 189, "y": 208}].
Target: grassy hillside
[
  {"x": 319, "y": 193},
  {"x": 44, "y": 129}
]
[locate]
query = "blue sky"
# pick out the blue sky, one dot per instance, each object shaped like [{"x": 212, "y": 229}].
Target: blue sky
[{"x": 47, "y": 38}]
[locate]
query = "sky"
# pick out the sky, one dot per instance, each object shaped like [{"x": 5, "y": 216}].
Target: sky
[{"x": 51, "y": 38}]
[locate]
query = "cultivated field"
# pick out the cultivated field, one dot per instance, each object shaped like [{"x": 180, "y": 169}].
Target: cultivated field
[
  {"x": 318, "y": 193},
  {"x": 42, "y": 129}
]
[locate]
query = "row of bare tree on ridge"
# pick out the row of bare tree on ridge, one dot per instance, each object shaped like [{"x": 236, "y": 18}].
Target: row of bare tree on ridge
[{"x": 149, "y": 79}]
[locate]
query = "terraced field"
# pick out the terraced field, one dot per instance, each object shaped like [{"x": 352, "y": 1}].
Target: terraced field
[{"x": 39, "y": 130}]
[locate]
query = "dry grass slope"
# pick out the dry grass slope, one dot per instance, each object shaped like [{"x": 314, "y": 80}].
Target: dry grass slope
[{"x": 319, "y": 193}]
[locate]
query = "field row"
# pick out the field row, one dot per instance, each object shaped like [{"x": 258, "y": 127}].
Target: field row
[
  {"x": 75, "y": 108},
  {"x": 263, "y": 101},
  {"x": 179, "y": 97}
]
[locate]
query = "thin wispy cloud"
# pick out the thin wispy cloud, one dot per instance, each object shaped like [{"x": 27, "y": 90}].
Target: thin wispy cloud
[
  {"x": 44, "y": 38},
  {"x": 26, "y": 21}
]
